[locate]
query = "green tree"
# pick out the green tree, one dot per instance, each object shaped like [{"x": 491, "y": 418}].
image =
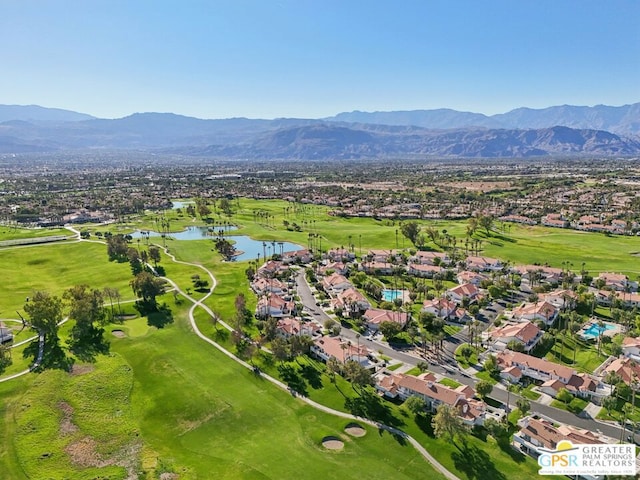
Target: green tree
[
  {"x": 447, "y": 424},
  {"x": 45, "y": 313},
  {"x": 491, "y": 364},
  {"x": 117, "y": 248},
  {"x": 280, "y": 349},
  {"x": 5, "y": 357},
  {"x": 483, "y": 388},
  {"x": 411, "y": 230},
  {"x": 358, "y": 375},
  {"x": 466, "y": 351},
  {"x": 333, "y": 367},
  {"x": 154, "y": 254},
  {"x": 86, "y": 307},
  {"x": 496, "y": 429},
  {"x": 609, "y": 403},
  {"x": 390, "y": 330},
  {"x": 240, "y": 317},
  {"x": 564, "y": 396},
  {"x": 147, "y": 287},
  {"x": 486, "y": 222},
  {"x": 523, "y": 405},
  {"x": 415, "y": 405}
]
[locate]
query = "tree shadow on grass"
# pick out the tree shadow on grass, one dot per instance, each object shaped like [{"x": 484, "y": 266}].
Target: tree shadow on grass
[
  {"x": 90, "y": 345},
  {"x": 505, "y": 446},
  {"x": 312, "y": 376},
  {"x": 53, "y": 356},
  {"x": 371, "y": 406},
  {"x": 160, "y": 318},
  {"x": 221, "y": 335},
  {"x": 290, "y": 376},
  {"x": 424, "y": 423},
  {"x": 475, "y": 463}
]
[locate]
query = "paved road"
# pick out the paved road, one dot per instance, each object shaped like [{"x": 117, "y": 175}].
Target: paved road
[
  {"x": 200, "y": 303},
  {"x": 450, "y": 370}
]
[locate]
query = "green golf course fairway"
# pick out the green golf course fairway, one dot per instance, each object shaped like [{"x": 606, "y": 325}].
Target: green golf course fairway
[{"x": 179, "y": 406}]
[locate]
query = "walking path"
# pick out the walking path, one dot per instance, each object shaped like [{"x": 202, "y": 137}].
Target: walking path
[{"x": 200, "y": 303}]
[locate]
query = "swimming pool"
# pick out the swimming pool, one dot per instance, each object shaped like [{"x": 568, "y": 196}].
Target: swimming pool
[
  {"x": 389, "y": 295},
  {"x": 594, "y": 331}
]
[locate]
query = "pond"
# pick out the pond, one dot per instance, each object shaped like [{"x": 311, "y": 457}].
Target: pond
[
  {"x": 191, "y": 233},
  {"x": 248, "y": 247},
  {"x": 181, "y": 203}
]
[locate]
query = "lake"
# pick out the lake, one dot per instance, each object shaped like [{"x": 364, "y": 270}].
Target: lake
[{"x": 249, "y": 247}]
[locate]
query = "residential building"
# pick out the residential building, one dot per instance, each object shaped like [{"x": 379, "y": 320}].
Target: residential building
[
  {"x": 539, "y": 311},
  {"x": 335, "y": 283},
  {"x": 272, "y": 305},
  {"x": 534, "y": 367},
  {"x": 465, "y": 292},
  {"x": 374, "y": 317},
  {"x": 472, "y": 411},
  {"x": 429, "y": 258},
  {"x": 326, "y": 347},
  {"x": 525, "y": 333},
  {"x": 483, "y": 264}
]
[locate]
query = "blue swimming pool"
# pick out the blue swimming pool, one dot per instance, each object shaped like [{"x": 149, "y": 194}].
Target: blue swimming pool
[
  {"x": 594, "y": 331},
  {"x": 389, "y": 295}
]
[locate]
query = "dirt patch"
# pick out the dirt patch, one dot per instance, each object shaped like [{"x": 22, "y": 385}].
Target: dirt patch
[
  {"x": 332, "y": 443},
  {"x": 82, "y": 369},
  {"x": 67, "y": 427},
  {"x": 355, "y": 430},
  {"x": 84, "y": 454},
  {"x": 169, "y": 476},
  {"x": 118, "y": 333},
  {"x": 126, "y": 317}
]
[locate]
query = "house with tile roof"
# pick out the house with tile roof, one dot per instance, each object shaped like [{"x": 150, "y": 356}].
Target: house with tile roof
[
  {"x": 466, "y": 291},
  {"x": 272, "y": 305},
  {"x": 335, "y": 283},
  {"x": 537, "y": 433},
  {"x": 424, "y": 386},
  {"x": 327, "y": 347},
  {"x": 525, "y": 333},
  {"x": 429, "y": 258},
  {"x": 483, "y": 264},
  {"x": 539, "y": 311},
  {"x": 534, "y": 367},
  {"x": 374, "y": 317}
]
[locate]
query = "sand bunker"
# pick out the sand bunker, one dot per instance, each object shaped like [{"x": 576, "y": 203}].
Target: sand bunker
[
  {"x": 355, "y": 430},
  {"x": 118, "y": 333},
  {"x": 332, "y": 443}
]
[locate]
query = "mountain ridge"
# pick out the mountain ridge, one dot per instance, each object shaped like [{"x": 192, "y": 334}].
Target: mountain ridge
[{"x": 316, "y": 139}]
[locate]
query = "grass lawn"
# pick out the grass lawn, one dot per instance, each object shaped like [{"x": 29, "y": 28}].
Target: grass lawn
[
  {"x": 586, "y": 354},
  {"x": 451, "y": 329},
  {"x": 449, "y": 382},
  {"x": 484, "y": 375},
  {"x": 413, "y": 371},
  {"x": 574, "y": 406},
  {"x": 56, "y": 267},
  {"x": 184, "y": 408},
  {"x": 462, "y": 361},
  {"x": 529, "y": 393},
  {"x": 11, "y": 233},
  {"x": 395, "y": 366}
]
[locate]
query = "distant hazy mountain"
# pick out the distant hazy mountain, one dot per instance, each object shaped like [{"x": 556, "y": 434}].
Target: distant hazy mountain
[
  {"x": 624, "y": 120},
  {"x": 317, "y": 139},
  {"x": 334, "y": 142},
  {"x": 35, "y": 113}
]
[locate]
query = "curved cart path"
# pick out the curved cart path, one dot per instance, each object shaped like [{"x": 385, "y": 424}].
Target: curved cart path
[{"x": 199, "y": 303}]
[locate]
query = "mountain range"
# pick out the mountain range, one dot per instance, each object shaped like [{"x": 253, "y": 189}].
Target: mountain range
[{"x": 562, "y": 130}]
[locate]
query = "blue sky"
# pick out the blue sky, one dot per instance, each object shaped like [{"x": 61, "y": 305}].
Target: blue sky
[{"x": 303, "y": 58}]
